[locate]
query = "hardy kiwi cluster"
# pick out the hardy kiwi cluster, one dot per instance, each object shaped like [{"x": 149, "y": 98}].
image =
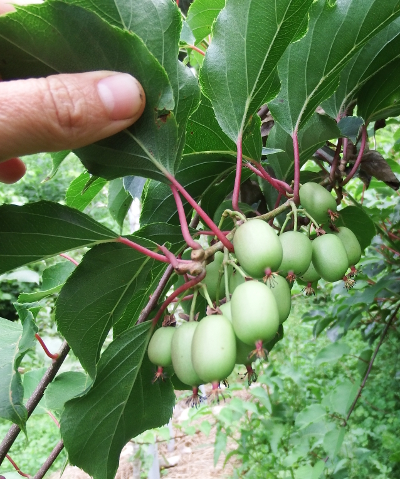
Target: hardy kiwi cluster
[{"x": 247, "y": 323}]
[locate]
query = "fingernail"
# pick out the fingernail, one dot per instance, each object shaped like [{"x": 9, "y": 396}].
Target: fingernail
[{"x": 121, "y": 95}]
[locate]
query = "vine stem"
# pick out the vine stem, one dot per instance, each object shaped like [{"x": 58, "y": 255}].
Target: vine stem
[
  {"x": 176, "y": 293},
  {"x": 142, "y": 249},
  {"x": 193, "y": 47},
  {"x": 45, "y": 349},
  {"x": 203, "y": 215},
  {"x": 34, "y": 400},
  {"x": 238, "y": 177},
  {"x": 383, "y": 335},
  {"x": 182, "y": 220},
  {"x": 16, "y": 467},
  {"x": 359, "y": 156},
  {"x": 335, "y": 161},
  {"x": 69, "y": 259},
  {"x": 49, "y": 461},
  {"x": 296, "y": 154}
]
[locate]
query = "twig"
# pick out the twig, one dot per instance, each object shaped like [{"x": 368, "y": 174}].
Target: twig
[
  {"x": 34, "y": 400},
  {"x": 49, "y": 461},
  {"x": 388, "y": 324},
  {"x": 156, "y": 295}
]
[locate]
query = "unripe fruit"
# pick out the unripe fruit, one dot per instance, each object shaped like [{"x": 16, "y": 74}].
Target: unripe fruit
[
  {"x": 329, "y": 257},
  {"x": 310, "y": 275},
  {"x": 243, "y": 350},
  {"x": 235, "y": 279},
  {"x": 317, "y": 201},
  {"x": 212, "y": 275},
  {"x": 182, "y": 354},
  {"x": 159, "y": 350},
  {"x": 297, "y": 252},
  {"x": 257, "y": 247},
  {"x": 255, "y": 315},
  {"x": 350, "y": 243},
  {"x": 214, "y": 349},
  {"x": 281, "y": 291}
]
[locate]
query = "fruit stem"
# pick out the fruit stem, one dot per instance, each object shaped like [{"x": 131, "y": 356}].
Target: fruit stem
[
  {"x": 304, "y": 212},
  {"x": 238, "y": 268},
  {"x": 294, "y": 211},
  {"x": 69, "y": 259},
  {"x": 226, "y": 278},
  {"x": 182, "y": 220},
  {"x": 45, "y": 349},
  {"x": 203, "y": 215},
  {"x": 207, "y": 296},
  {"x": 296, "y": 153},
  {"x": 286, "y": 221},
  {"x": 238, "y": 176},
  {"x": 193, "y": 305},
  {"x": 176, "y": 293},
  {"x": 142, "y": 249},
  {"x": 359, "y": 156}
]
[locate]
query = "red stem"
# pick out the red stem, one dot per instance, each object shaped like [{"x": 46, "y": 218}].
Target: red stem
[
  {"x": 198, "y": 50},
  {"x": 16, "y": 467},
  {"x": 296, "y": 154},
  {"x": 359, "y": 157},
  {"x": 48, "y": 353},
  {"x": 186, "y": 298},
  {"x": 54, "y": 419},
  {"x": 207, "y": 220},
  {"x": 176, "y": 293},
  {"x": 279, "y": 185},
  {"x": 182, "y": 220},
  {"x": 69, "y": 258},
  {"x": 335, "y": 161},
  {"x": 236, "y": 189},
  {"x": 170, "y": 256},
  {"x": 142, "y": 249},
  {"x": 210, "y": 233}
]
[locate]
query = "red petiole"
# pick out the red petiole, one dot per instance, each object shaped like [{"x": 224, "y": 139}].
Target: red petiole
[
  {"x": 45, "y": 349},
  {"x": 182, "y": 219}
]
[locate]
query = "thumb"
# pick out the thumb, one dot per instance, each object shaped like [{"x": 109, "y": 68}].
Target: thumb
[{"x": 68, "y": 111}]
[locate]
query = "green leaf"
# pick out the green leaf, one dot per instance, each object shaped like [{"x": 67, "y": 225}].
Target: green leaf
[
  {"x": 314, "y": 135},
  {"x": 350, "y": 127},
  {"x": 239, "y": 79},
  {"x": 375, "y": 55},
  {"x": 82, "y": 191},
  {"x": 201, "y": 16},
  {"x": 310, "y": 414},
  {"x": 30, "y": 381},
  {"x": 309, "y": 76},
  {"x": 186, "y": 37},
  {"x": 333, "y": 441},
  {"x": 331, "y": 353},
  {"x": 119, "y": 201},
  {"x": 219, "y": 445},
  {"x": 37, "y": 41},
  {"x": 358, "y": 221},
  {"x": 57, "y": 158},
  {"x": 64, "y": 387},
  {"x": 380, "y": 97},
  {"x": 52, "y": 280},
  {"x": 121, "y": 404},
  {"x": 342, "y": 397},
  {"x": 11, "y": 390},
  {"x": 40, "y": 230},
  {"x": 260, "y": 393}
]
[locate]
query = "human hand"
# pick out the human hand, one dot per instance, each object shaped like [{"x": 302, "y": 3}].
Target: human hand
[{"x": 62, "y": 112}]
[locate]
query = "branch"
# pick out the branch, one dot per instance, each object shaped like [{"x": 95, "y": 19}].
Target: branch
[
  {"x": 388, "y": 324},
  {"x": 49, "y": 461},
  {"x": 34, "y": 400},
  {"x": 156, "y": 295}
]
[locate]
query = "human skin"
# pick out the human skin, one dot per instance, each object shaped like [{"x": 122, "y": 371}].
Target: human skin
[{"x": 62, "y": 112}]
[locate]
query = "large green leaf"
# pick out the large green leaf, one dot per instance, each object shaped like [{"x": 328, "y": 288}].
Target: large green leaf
[
  {"x": 318, "y": 130},
  {"x": 40, "y": 230},
  {"x": 122, "y": 403},
  {"x": 239, "y": 70},
  {"x": 201, "y": 16},
  {"x": 97, "y": 293},
  {"x": 64, "y": 387},
  {"x": 373, "y": 56},
  {"x": 310, "y": 69},
  {"x": 55, "y": 37},
  {"x": 360, "y": 223},
  {"x": 380, "y": 96},
  {"x": 82, "y": 191},
  {"x": 11, "y": 390},
  {"x": 158, "y": 23}
]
